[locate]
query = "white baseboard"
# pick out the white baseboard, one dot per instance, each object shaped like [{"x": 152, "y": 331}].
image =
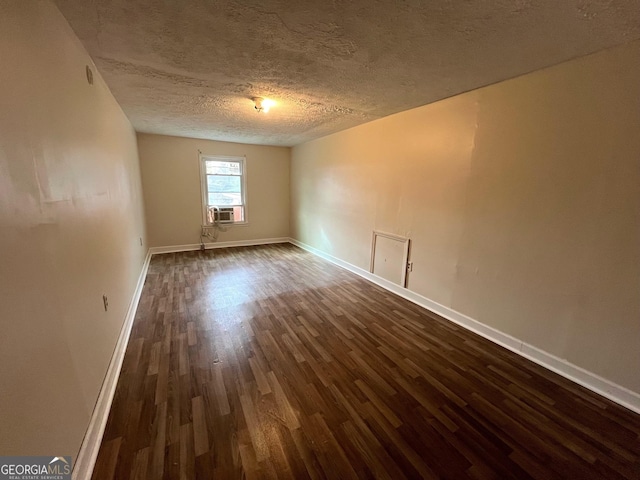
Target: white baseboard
[
  {"x": 207, "y": 246},
  {"x": 83, "y": 467},
  {"x": 617, "y": 393}
]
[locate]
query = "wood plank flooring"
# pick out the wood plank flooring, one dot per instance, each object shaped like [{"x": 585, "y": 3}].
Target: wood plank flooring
[{"x": 268, "y": 362}]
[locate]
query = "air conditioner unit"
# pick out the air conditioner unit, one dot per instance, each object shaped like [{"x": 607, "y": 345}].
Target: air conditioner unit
[{"x": 217, "y": 215}]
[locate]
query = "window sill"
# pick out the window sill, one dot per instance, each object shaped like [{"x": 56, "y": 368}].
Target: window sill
[{"x": 234, "y": 224}]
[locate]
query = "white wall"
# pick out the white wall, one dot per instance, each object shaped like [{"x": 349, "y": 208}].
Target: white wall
[
  {"x": 71, "y": 217},
  {"x": 522, "y": 201},
  {"x": 171, "y": 181}
]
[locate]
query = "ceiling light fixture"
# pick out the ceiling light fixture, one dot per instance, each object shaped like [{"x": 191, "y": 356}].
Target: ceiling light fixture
[{"x": 263, "y": 104}]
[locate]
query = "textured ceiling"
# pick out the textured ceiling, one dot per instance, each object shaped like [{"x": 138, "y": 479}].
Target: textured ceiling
[{"x": 190, "y": 67}]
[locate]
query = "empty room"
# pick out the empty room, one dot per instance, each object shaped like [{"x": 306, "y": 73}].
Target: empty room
[{"x": 345, "y": 239}]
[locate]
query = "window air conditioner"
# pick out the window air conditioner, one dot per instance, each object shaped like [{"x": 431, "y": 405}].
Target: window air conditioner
[{"x": 217, "y": 215}]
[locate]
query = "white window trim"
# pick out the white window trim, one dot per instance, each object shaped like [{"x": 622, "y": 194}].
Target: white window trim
[{"x": 203, "y": 190}]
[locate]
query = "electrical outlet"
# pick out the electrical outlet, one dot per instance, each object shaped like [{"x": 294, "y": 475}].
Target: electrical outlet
[{"x": 105, "y": 300}]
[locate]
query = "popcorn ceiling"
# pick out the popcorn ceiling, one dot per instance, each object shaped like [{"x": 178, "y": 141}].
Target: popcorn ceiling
[{"x": 190, "y": 68}]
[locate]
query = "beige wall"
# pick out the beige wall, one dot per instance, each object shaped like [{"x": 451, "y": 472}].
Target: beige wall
[
  {"x": 70, "y": 221},
  {"x": 171, "y": 182},
  {"x": 522, "y": 201}
]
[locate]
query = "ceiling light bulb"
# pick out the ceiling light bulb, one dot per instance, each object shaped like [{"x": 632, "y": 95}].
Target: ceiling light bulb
[
  {"x": 267, "y": 104},
  {"x": 263, "y": 104}
]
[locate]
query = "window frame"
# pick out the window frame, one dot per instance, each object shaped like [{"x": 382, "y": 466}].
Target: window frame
[{"x": 204, "y": 197}]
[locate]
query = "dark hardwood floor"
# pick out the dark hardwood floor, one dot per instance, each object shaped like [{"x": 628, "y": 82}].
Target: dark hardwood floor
[{"x": 268, "y": 362}]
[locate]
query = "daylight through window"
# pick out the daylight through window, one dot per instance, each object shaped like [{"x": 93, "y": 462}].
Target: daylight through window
[{"x": 223, "y": 189}]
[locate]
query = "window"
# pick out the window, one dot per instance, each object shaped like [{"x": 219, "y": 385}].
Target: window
[{"x": 223, "y": 189}]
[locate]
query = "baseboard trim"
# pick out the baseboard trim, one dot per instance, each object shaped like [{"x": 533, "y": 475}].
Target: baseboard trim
[
  {"x": 83, "y": 467},
  {"x": 208, "y": 246},
  {"x": 608, "y": 389}
]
